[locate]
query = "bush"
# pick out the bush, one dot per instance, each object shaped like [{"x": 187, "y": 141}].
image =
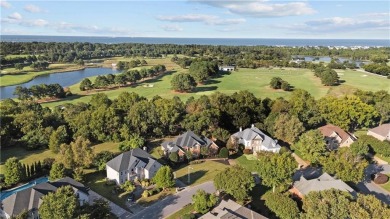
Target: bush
[
  {"x": 247, "y": 151},
  {"x": 145, "y": 183},
  {"x": 381, "y": 178},
  {"x": 188, "y": 216},
  {"x": 224, "y": 153},
  {"x": 145, "y": 194}
]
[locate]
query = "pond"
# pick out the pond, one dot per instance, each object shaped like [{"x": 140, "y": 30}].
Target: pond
[{"x": 65, "y": 79}]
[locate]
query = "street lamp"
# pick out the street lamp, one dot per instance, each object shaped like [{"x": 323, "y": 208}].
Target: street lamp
[{"x": 189, "y": 167}]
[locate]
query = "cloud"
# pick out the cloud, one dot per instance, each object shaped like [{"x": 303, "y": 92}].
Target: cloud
[
  {"x": 5, "y": 4},
  {"x": 65, "y": 27},
  {"x": 33, "y": 9},
  {"x": 172, "y": 28},
  {"x": 262, "y": 8},
  {"x": 15, "y": 16},
  {"x": 202, "y": 18},
  {"x": 339, "y": 24}
]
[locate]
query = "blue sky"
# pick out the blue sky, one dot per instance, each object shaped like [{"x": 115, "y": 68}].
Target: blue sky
[{"x": 198, "y": 18}]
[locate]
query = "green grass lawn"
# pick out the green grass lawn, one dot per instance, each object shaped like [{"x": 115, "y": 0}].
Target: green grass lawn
[
  {"x": 200, "y": 173},
  {"x": 253, "y": 80},
  {"x": 248, "y": 162},
  {"x": 96, "y": 181},
  {"x": 11, "y": 76},
  {"x": 31, "y": 156},
  {"x": 178, "y": 214},
  {"x": 152, "y": 199}
]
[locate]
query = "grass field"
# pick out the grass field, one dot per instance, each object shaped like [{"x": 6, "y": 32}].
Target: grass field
[
  {"x": 29, "y": 157},
  {"x": 253, "y": 80},
  {"x": 248, "y": 162},
  {"x": 200, "y": 173},
  {"x": 387, "y": 185},
  {"x": 179, "y": 214}
]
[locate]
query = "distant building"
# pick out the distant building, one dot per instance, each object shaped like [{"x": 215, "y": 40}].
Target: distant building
[
  {"x": 227, "y": 68},
  {"x": 189, "y": 141},
  {"x": 231, "y": 210},
  {"x": 31, "y": 199},
  {"x": 336, "y": 137},
  {"x": 381, "y": 132},
  {"x": 255, "y": 140},
  {"x": 130, "y": 165},
  {"x": 298, "y": 60},
  {"x": 324, "y": 182}
]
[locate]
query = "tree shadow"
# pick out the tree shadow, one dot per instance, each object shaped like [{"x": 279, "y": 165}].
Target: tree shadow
[
  {"x": 204, "y": 89},
  {"x": 212, "y": 81},
  {"x": 73, "y": 97}
]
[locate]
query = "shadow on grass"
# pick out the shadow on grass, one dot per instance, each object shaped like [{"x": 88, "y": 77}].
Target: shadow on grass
[
  {"x": 194, "y": 176},
  {"x": 154, "y": 198},
  {"x": 204, "y": 89}
]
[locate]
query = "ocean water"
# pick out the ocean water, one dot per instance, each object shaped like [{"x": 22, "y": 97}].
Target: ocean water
[{"x": 202, "y": 41}]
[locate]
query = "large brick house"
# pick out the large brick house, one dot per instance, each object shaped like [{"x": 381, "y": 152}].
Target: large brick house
[{"x": 336, "y": 137}]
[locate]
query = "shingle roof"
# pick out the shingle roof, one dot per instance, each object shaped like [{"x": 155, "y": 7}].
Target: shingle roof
[
  {"x": 129, "y": 159},
  {"x": 231, "y": 210},
  {"x": 188, "y": 139},
  {"x": 250, "y": 133},
  {"x": 382, "y": 130},
  {"x": 329, "y": 129},
  {"x": 324, "y": 182},
  {"x": 31, "y": 198}
]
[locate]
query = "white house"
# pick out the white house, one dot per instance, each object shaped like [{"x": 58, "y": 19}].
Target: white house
[
  {"x": 227, "y": 68},
  {"x": 255, "y": 140},
  {"x": 381, "y": 132},
  {"x": 31, "y": 199},
  {"x": 130, "y": 165}
]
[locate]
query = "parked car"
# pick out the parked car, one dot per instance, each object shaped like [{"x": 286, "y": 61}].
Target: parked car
[{"x": 130, "y": 198}]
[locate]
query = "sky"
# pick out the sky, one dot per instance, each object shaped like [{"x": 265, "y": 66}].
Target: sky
[{"x": 307, "y": 19}]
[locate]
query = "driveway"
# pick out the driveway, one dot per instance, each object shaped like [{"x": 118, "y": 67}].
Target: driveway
[
  {"x": 369, "y": 187},
  {"x": 115, "y": 209},
  {"x": 171, "y": 204}
]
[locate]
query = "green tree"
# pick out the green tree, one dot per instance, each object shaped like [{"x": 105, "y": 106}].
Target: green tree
[
  {"x": 164, "y": 178},
  {"x": 19, "y": 66},
  {"x": 61, "y": 204},
  {"x": 58, "y": 137},
  {"x": 100, "y": 209},
  {"x": 13, "y": 171},
  {"x": 359, "y": 147},
  {"x": 135, "y": 141},
  {"x": 288, "y": 128},
  {"x": 311, "y": 146},
  {"x": 276, "y": 169},
  {"x": 368, "y": 206},
  {"x": 78, "y": 174},
  {"x": 86, "y": 84},
  {"x": 283, "y": 206},
  {"x": 183, "y": 82},
  {"x": 345, "y": 165},
  {"x": 304, "y": 106},
  {"x": 57, "y": 171},
  {"x": 120, "y": 79},
  {"x": 326, "y": 204},
  {"x": 223, "y": 153},
  {"x": 276, "y": 83},
  {"x": 102, "y": 158},
  {"x": 235, "y": 181},
  {"x": 189, "y": 155},
  {"x": 128, "y": 186},
  {"x": 203, "y": 201},
  {"x": 174, "y": 157}
]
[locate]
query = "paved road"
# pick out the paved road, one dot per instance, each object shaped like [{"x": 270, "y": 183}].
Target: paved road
[
  {"x": 115, "y": 209},
  {"x": 369, "y": 187},
  {"x": 171, "y": 204}
]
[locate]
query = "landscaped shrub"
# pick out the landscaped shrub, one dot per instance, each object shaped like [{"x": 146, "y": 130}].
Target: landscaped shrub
[
  {"x": 247, "y": 151},
  {"x": 145, "y": 183},
  {"x": 224, "y": 153},
  {"x": 188, "y": 216},
  {"x": 381, "y": 178},
  {"x": 145, "y": 194}
]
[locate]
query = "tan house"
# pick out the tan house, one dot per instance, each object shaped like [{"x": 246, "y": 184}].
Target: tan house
[
  {"x": 336, "y": 137},
  {"x": 324, "y": 182},
  {"x": 189, "y": 142},
  {"x": 381, "y": 132}
]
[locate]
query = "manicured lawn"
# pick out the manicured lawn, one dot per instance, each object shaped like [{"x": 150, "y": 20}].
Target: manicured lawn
[
  {"x": 387, "y": 159},
  {"x": 248, "y": 162},
  {"x": 96, "y": 181},
  {"x": 11, "y": 76},
  {"x": 387, "y": 185},
  {"x": 29, "y": 157},
  {"x": 200, "y": 173},
  {"x": 152, "y": 199},
  {"x": 185, "y": 210}
]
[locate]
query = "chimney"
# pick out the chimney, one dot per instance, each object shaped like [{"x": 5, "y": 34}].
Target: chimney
[
  {"x": 253, "y": 125},
  {"x": 240, "y": 129}
]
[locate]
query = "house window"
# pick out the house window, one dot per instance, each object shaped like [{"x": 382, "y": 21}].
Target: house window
[{"x": 121, "y": 173}]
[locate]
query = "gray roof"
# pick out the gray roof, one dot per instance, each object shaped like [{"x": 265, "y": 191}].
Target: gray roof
[
  {"x": 382, "y": 130},
  {"x": 31, "y": 198},
  {"x": 231, "y": 210},
  {"x": 251, "y": 133},
  {"x": 324, "y": 182},
  {"x": 130, "y": 159},
  {"x": 188, "y": 139}
]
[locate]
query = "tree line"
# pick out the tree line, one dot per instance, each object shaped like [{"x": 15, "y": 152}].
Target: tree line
[{"x": 41, "y": 91}]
